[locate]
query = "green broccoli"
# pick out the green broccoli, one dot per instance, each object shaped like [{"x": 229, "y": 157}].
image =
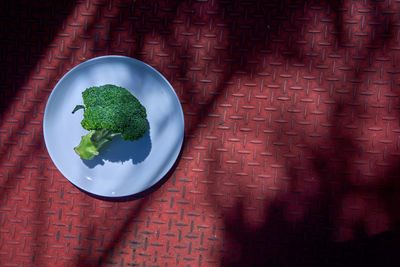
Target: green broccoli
[{"x": 109, "y": 111}]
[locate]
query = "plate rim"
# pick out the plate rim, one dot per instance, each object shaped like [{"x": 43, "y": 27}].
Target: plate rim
[{"x": 182, "y": 118}]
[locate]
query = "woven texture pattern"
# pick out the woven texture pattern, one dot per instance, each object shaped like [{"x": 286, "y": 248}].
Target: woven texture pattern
[{"x": 291, "y": 153}]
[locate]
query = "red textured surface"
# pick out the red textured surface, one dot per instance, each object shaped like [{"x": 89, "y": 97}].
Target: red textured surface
[{"x": 291, "y": 152}]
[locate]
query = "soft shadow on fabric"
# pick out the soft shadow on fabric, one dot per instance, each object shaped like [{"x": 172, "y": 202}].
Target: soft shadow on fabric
[{"x": 120, "y": 150}]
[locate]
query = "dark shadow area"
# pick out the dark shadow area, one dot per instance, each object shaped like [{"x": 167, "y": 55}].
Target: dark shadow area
[
  {"x": 280, "y": 243},
  {"x": 310, "y": 240},
  {"x": 121, "y": 151},
  {"x": 26, "y": 32},
  {"x": 388, "y": 191}
]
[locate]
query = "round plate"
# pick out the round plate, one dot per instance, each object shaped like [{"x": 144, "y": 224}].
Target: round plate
[{"x": 123, "y": 168}]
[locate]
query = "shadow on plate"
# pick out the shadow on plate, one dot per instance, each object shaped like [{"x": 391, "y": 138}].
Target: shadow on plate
[
  {"x": 142, "y": 194},
  {"x": 121, "y": 151}
]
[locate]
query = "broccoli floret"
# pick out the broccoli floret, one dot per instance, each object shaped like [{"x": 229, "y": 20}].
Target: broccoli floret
[{"x": 109, "y": 110}]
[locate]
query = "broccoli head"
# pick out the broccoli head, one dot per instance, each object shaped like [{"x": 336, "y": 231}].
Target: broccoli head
[{"x": 109, "y": 110}]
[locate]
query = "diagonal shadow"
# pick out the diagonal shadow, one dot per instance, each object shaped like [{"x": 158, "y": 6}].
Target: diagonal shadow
[
  {"x": 30, "y": 111},
  {"x": 282, "y": 243},
  {"x": 199, "y": 114},
  {"x": 240, "y": 51}
]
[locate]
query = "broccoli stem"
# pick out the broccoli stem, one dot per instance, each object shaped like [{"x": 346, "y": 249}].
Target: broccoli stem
[{"x": 92, "y": 142}]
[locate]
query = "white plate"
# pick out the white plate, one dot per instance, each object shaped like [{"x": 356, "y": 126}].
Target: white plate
[{"x": 124, "y": 168}]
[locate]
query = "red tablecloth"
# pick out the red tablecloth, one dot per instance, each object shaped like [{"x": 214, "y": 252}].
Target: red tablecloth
[{"x": 291, "y": 151}]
